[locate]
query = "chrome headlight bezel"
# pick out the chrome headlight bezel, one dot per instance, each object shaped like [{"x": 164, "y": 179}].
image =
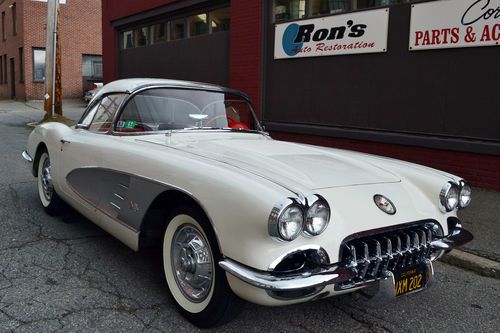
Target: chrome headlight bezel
[
  {"x": 275, "y": 222},
  {"x": 449, "y": 192},
  {"x": 465, "y": 192},
  {"x": 305, "y": 209},
  {"x": 314, "y": 201}
]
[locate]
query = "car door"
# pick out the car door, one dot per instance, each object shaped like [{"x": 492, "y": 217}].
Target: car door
[{"x": 83, "y": 150}]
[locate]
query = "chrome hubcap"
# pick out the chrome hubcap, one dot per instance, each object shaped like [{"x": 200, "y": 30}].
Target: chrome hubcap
[
  {"x": 192, "y": 263},
  {"x": 46, "y": 177}
]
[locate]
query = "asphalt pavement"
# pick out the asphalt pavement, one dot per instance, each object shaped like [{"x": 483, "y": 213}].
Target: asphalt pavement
[{"x": 67, "y": 275}]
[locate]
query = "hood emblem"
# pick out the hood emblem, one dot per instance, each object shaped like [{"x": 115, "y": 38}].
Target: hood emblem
[{"x": 384, "y": 204}]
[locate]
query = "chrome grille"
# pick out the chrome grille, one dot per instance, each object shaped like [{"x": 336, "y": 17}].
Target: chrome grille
[{"x": 371, "y": 257}]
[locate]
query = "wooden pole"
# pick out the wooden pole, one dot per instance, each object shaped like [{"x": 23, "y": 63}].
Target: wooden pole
[
  {"x": 57, "y": 109},
  {"x": 50, "y": 57}
]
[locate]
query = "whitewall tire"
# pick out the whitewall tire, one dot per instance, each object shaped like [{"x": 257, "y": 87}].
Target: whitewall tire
[
  {"x": 51, "y": 202},
  {"x": 190, "y": 261}
]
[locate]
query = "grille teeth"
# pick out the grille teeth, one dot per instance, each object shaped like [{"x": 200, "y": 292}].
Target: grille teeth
[{"x": 373, "y": 256}]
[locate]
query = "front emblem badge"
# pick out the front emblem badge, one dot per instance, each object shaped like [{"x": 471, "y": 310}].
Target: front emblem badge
[{"x": 384, "y": 204}]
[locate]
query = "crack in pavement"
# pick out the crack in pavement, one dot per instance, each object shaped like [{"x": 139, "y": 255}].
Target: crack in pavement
[{"x": 359, "y": 315}]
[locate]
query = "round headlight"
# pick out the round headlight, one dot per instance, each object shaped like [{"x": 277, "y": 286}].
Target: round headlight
[
  {"x": 290, "y": 222},
  {"x": 448, "y": 196},
  {"x": 317, "y": 218},
  {"x": 465, "y": 194}
]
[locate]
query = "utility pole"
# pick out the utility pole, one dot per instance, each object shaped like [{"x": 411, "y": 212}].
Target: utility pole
[{"x": 52, "y": 104}]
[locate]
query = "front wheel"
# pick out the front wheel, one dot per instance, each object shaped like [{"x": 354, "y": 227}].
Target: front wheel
[
  {"x": 51, "y": 202},
  {"x": 190, "y": 261}
]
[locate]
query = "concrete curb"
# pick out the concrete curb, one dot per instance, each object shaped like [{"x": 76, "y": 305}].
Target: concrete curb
[{"x": 480, "y": 265}]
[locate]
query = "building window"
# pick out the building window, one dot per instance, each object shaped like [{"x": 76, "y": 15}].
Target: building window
[
  {"x": 220, "y": 19},
  {"x": 3, "y": 26},
  {"x": 5, "y": 68},
  {"x": 38, "y": 65},
  {"x": 92, "y": 67},
  {"x": 21, "y": 65},
  {"x": 14, "y": 18},
  {"x": 177, "y": 29},
  {"x": 296, "y": 9},
  {"x": 158, "y": 33},
  {"x": 141, "y": 36},
  {"x": 322, "y": 7},
  {"x": 198, "y": 25},
  {"x": 1, "y": 69},
  {"x": 128, "y": 39},
  {"x": 289, "y": 9}
]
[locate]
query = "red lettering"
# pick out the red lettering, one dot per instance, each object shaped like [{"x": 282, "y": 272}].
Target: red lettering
[
  {"x": 485, "y": 37},
  {"x": 418, "y": 37},
  {"x": 435, "y": 37},
  {"x": 445, "y": 32},
  {"x": 495, "y": 32},
  {"x": 455, "y": 37},
  {"x": 427, "y": 39},
  {"x": 320, "y": 46}
]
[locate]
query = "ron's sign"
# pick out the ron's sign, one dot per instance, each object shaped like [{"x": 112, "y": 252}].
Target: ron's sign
[
  {"x": 363, "y": 32},
  {"x": 455, "y": 23}
]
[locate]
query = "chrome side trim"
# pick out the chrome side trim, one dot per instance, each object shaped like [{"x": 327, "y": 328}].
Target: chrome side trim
[
  {"x": 119, "y": 196},
  {"x": 27, "y": 157},
  {"x": 266, "y": 280},
  {"x": 115, "y": 205},
  {"x": 456, "y": 237}
]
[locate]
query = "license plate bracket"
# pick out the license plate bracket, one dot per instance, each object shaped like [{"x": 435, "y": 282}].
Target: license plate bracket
[{"x": 411, "y": 279}]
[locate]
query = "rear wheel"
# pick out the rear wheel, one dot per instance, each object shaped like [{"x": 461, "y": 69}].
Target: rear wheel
[
  {"x": 51, "y": 202},
  {"x": 190, "y": 261}
]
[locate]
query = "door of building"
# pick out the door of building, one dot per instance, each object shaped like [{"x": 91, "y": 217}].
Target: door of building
[{"x": 12, "y": 79}]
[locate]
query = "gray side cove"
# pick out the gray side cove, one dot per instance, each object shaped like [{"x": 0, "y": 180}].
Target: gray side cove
[{"x": 123, "y": 197}]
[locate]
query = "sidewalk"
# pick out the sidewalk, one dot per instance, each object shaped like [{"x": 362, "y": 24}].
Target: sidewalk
[
  {"x": 481, "y": 218},
  {"x": 14, "y": 111}
]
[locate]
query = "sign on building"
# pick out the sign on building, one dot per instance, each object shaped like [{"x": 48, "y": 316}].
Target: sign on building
[
  {"x": 454, "y": 23},
  {"x": 361, "y": 32}
]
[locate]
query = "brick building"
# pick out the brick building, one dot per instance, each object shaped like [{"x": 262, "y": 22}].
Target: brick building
[
  {"x": 22, "y": 47},
  {"x": 405, "y": 79}
]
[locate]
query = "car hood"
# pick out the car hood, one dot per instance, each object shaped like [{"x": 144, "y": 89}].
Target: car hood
[{"x": 286, "y": 163}]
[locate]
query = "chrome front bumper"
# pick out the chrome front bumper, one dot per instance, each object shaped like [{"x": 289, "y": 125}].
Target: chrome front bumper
[
  {"x": 266, "y": 280},
  {"x": 334, "y": 274},
  {"x": 27, "y": 156},
  {"x": 456, "y": 237}
]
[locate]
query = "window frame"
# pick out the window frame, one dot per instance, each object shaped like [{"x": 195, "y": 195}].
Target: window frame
[
  {"x": 353, "y": 4},
  {"x": 13, "y": 10},
  {"x": 33, "y": 50},
  {"x": 21, "y": 65},
  {"x": 92, "y": 109},
  {"x": 4, "y": 33}
]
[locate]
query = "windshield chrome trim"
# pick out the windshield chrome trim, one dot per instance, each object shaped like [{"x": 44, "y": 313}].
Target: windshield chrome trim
[{"x": 216, "y": 89}]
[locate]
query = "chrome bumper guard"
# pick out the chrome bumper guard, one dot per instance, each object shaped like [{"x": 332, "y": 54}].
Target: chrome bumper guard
[
  {"x": 27, "y": 156},
  {"x": 266, "y": 280},
  {"x": 456, "y": 237}
]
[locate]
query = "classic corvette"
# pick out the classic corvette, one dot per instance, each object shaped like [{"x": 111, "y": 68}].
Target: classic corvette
[{"x": 188, "y": 167}]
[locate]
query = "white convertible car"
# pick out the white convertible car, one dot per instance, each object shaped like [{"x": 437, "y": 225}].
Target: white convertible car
[{"x": 188, "y": 167}]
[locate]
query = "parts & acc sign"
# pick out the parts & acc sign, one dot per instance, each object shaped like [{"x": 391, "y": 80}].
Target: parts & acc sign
[
  {"x": 362, "y": 32},
  {"x": 455, "y": 23}
]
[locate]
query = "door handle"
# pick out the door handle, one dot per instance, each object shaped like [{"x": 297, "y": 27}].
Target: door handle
[{"x": 65, "y": 141}]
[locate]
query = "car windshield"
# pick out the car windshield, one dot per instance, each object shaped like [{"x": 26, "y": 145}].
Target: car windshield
[{"x": 163, "y": 109}]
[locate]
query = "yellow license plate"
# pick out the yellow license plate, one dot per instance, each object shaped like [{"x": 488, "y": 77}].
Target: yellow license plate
[{"x": 410, "y": 279}]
